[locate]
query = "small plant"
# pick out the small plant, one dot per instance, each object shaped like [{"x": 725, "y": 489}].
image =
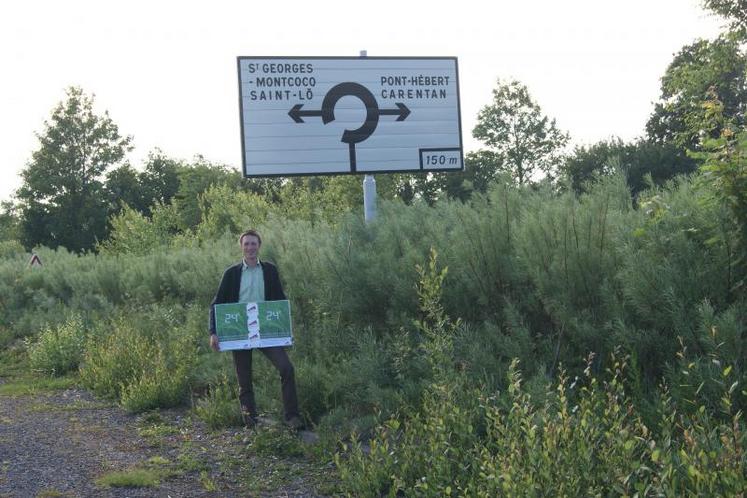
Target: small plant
[
  {"x": 145, "y": 365},
  {"x": 220, "y": 408},
  {"x": 155, "y": 430},
  {"x": 52, "y": 493},
  {"x": 25, "y": 387},
  {"x": 188, "y": 462},
  {"x": 207, "y": 483},
  {"x": 160, "y": 388},
  {"x": 276, "y": 441},
  {"x": 134, "y": 478},
  {"x": 59, "y": 349}
]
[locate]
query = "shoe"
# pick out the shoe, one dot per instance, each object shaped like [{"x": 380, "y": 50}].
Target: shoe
[{"x": 295, "y": 423}]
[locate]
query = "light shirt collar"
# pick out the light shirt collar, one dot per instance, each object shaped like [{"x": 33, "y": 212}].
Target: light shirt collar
[{"x": 245, "y": 266}]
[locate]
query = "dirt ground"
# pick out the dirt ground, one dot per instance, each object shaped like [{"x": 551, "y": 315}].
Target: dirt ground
[{"x": 62, "y": 443}]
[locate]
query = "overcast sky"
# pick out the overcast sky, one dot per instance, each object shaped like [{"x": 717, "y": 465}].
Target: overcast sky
[{"x": 166, "y": 70}]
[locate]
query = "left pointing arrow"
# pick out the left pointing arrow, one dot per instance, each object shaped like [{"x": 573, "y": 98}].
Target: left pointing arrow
[{"x": 296, "y": 113}]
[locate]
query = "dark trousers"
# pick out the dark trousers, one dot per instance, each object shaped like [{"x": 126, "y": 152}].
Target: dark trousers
[{"x": 242, "y": 360}]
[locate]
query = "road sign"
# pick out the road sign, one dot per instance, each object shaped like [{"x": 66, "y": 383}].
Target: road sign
[{"x": 336, "y": 115}]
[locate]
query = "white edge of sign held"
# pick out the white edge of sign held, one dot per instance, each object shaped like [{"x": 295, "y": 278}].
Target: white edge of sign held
[{"x": 430, "y": 159}]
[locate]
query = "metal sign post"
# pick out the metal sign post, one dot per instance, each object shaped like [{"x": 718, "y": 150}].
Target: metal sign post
[
  {"x": 369, "y": 198},
  {"x": 369, "y": 187}
]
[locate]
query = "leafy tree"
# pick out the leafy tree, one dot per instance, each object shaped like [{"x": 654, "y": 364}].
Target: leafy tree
[
  {"x": 160, "y": 180},
  {"x": 269, "y": 188},
  {"x": 123, "y": 188},
  {"x": 522, "y": 139},
  {"x": 315, "y": 198},
  {"x": 725, "y": 169},
  {"x": 588, "y": 163},
  {"x": 734, "y": 11},
  {"x": 227, "y": 210},
  {"x": 327, "y": 196},
  {"x": 158, "y": 184},
  {"x": 716, "y": 67},
  {"x": 9, "y": 222},
  {"x": 62, "y": 199},
  {"x": 641, "y": 160},
  {"x": 481, "y": 168},
  {"x": 194, "y": 180},
  {"x": 412, "y": 186}
]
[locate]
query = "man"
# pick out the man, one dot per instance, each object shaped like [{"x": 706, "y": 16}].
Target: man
[{"x": 253, "y": 280}]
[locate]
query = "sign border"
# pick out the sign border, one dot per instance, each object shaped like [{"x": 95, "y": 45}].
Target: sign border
[{"x": 335, "y": 173}]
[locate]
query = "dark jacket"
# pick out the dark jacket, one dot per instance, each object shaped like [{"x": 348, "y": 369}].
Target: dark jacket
[{"x": 228, "y": 290}]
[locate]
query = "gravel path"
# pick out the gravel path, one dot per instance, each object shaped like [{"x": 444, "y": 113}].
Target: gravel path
[{"x": 58, "y": 444}]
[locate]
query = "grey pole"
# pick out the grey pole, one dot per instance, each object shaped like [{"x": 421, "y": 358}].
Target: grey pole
[
  {"x": 369, "y": 198},
  {"x": 369, "y": 187}
]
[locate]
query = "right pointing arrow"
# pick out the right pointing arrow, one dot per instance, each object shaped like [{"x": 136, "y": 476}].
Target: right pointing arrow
[{"x": 402, "y": 111}]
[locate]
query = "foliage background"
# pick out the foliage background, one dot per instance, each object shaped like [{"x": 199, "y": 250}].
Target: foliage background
[{"x": 491, "y": 331}]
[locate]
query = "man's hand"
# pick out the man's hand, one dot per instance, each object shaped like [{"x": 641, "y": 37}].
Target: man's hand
[{"x": 214, "y": 342}]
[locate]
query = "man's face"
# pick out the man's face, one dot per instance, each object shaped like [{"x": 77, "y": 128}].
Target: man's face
[{"x": 250, "y": 247}]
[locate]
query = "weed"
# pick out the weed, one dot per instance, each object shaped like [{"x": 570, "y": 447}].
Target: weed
[
  {"x": 52, "y": 493},
  {"x": 188, "y": 462},
  {"x": 145, "y": 365},
  {"x": 59, "y": 348},
  {"x": 158, "y": 460},
  {"x": 220, "y": 408},
  {"x": 270, "y": 478},
  {"x": 35, "y": 385},
  {"x": 75, "y": 406},
  {"x": 155, "y": 433},
  {"x": 276, "y": 441},
  {"x": 207, "y": 483},
  {"x": 13, "y": 362},
  {"x": 152, "y": 417},
  {"x": 134, "y": 478}
]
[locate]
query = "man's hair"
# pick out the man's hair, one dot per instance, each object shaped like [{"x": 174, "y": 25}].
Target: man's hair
[{"x": 251, "y": 232}]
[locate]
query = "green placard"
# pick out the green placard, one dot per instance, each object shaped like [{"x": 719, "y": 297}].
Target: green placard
[{"x": 253, "y": 325}]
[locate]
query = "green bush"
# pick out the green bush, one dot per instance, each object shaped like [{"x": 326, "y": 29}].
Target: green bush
[
  {"x": 12, "y": 249},
  {"x": 163, "y": 383},
  {"x": 582, "y": 438},
  {"x": 59, "y": 349},
  {"x": 585, "y": 439},
  {"x": 672, "y": 261},
  {"x": 313, "y": 380},
  {"x": 136, "y": 234},
  {"x": 144, "y": 363}
]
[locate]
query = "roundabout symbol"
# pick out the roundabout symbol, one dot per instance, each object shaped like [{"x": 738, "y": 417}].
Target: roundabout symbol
[{"x": 351, "y": 137}]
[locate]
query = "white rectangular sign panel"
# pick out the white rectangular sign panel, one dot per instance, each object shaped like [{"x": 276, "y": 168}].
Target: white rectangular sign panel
[{"x": 336, "y": 115}]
